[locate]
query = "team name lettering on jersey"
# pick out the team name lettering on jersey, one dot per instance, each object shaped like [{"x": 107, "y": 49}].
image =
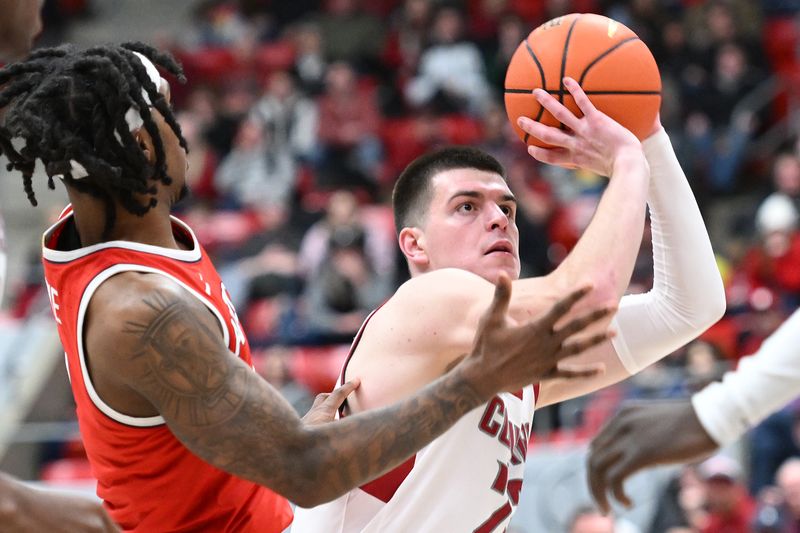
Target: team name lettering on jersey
[
  {"x": 234, "y": 318},
  {"x": 52, "y": 294},
  {"x": 494, "y": 422}
]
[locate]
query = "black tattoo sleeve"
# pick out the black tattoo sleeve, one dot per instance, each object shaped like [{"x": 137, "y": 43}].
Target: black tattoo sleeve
[{"x": 221, "y": 410}]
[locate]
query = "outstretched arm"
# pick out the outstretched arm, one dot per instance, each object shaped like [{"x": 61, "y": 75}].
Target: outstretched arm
[
  {"x": 646, "y": 434},
  {"x": 159, "y": 341},
  {"x": 24, "y": 509}
]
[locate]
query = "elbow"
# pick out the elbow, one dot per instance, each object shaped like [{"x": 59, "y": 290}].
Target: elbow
[
  {"x": 713, "y": 305},
  {"x": 607, "y": 289}
]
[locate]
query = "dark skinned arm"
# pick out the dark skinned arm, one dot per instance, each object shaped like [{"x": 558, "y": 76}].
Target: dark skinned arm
[
  {"x": 147, "y": 335},
  {"x": 24, "y": 509},
  {"x": 642, "y": 435}
]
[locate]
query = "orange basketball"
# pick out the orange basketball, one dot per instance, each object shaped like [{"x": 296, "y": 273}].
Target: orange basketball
[{"x": 614, "y": 67}]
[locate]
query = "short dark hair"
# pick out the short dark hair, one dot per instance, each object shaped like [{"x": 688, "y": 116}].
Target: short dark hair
[
  {"x": 69, "y": 104},
  {"x": 412, "y": 192}
]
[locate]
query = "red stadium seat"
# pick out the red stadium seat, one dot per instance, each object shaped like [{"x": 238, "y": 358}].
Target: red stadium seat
[{"x": 317, "y": 368}]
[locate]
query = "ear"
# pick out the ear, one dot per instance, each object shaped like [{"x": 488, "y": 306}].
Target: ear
[
  {"x": 412, "y": 244},
  {"x": 145, "y": 143}
]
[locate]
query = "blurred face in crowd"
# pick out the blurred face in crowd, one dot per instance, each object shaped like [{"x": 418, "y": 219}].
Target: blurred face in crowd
[
  {"x": 447, "y": 26},
  {"x": 341, "y": 79},
  {"x": 470, "y": 224},
  {"x": 592, "y": 523},
  {"x": 788, "y": 480},
  {"x": 281, "y": 85},
  {"x": 722, "y": 494},
  {"x": 786, "y": 174},
  {"x": 20, "y": 23}
]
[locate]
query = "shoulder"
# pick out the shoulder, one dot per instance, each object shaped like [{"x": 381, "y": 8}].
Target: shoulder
[
  {"x": 446, "y": 287},
  {"x": 128, "y": 292},
  {"x": 442, "y": 306},
  {"x": 128, "y": 303}
]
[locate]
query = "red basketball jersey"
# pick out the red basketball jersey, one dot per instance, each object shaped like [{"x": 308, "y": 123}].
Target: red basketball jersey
[{"x": 147, "y": 479}]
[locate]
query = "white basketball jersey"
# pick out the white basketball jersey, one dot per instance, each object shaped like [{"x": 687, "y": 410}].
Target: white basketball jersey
[{"x": 467, "y": 480}]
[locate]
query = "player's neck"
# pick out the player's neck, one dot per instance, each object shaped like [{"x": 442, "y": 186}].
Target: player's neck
[{"x": 153, "y": 228}]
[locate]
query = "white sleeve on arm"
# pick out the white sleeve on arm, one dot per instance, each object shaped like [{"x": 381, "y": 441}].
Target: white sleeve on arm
[
  {"x": 763, "y": 383},
  {"x": 687, "y": 295}
]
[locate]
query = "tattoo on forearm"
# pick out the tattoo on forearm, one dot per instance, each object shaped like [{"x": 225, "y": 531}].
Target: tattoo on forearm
[{"x": 236, "y": 421}]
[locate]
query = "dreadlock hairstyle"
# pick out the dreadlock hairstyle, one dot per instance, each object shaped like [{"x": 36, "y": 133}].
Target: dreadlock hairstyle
[{"x": 68, "y": 105}]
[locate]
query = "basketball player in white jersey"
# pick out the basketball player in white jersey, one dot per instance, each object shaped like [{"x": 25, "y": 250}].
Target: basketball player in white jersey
[{"x": 455, "y": 221}]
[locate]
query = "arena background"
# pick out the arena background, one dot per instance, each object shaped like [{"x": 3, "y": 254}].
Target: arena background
[{"x": 301, "y": 114}]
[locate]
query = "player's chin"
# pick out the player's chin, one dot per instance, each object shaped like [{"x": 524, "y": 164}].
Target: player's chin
[{"x": 509, "y": 267}]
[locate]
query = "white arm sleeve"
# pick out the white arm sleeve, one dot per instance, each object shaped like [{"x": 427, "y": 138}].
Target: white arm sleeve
[
  {"x": 687, "y": 295},
  {"x": 763, "y": 383}
]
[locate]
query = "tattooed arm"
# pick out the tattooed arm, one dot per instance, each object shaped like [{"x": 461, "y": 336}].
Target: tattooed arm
[{"x": 155, "y": 349}]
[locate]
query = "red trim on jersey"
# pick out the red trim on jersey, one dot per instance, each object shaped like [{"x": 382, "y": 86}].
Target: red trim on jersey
[
  {"x": 356, "y": 340},
  {"x": 518, "y": 394},
  {"x": 535, "y": 394},
  {"x": 385, "y": 486}
]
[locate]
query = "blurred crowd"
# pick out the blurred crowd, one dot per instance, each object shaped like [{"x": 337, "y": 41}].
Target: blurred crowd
[{"x": 300, "y": 115}]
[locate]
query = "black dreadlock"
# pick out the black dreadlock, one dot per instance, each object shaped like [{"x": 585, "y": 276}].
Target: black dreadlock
[{"x": 66, "y": 104}]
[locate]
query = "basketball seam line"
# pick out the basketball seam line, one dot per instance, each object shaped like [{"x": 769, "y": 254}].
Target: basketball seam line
[
  {"x": 604, "y": 54},
  {"x": 564, "y": 65},
  {"x": 555, "y": 91},
  {"x": 544, "y": 83}
]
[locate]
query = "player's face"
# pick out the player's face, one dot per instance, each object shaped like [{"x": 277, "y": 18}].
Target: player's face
[{"x": 471, "y": 224}]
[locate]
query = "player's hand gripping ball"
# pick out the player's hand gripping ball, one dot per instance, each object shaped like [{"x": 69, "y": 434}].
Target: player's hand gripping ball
[{"x": 612, "y": 65}]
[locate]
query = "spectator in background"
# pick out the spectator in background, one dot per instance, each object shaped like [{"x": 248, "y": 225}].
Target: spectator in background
[
  {"x": 718, "y": 131},
  {"x": 590, "y": 520},
  {"x": 788, "y": 482},
  {"x": 729, "y": 506},
  {"x": 350, "y": 34},
  {"x": 349, "y": 152},
  {"x": 771, "y": 443},
  {"x": 233, "y": 105},
  {"x": 451, "y": 76},
  {"x": 786, "y": 175},
  {"x": 289, "y": 118},
  {"x": 343, "y": 212},
  {"x": 714, "y": 23},
  {"x": 773, "y": 262},
  {"x": 201, "y": 161},
  {"x": 409, "y": 29},
  {"x": 310, "y": 63},
  {"x": 345, "y": 290},
  {"x": 257, "y": 176},
  {"x": 273, "y": 364},
  {"x": 511, "y": 31}
]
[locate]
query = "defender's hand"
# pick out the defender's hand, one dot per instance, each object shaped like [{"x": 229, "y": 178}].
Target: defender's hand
[
  {"x": 510, "y": 356},
  {"x": 326, "y": 404},
  {"x": 641, "y": 435}
]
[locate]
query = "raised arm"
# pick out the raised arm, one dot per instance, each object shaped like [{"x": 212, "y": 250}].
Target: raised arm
[
  {"x": 160, "y": 343},
  {"x": 687, "y": 295},
  {"x": 607, "y": 250}
]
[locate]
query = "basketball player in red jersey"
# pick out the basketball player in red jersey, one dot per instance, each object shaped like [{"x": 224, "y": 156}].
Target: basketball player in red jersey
[
  {"x": 22, "y": 507},
  {"x": 181, "y": 433},
  {"x": 455, "y": 218}
]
